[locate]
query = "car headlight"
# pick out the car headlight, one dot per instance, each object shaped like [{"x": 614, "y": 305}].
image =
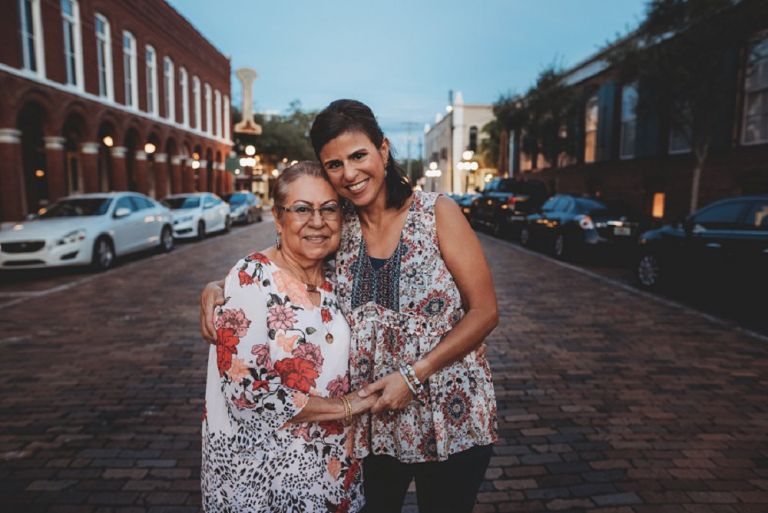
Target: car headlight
[{"x": 71, "y": 237}]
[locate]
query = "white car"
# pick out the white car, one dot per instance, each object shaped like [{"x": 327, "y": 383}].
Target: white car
[
  {"x": 197, "y": 214},
  {"x": 86, "y": 229}
]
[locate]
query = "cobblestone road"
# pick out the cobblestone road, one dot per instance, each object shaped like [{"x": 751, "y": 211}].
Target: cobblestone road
[{"x": 609, "y": 401}]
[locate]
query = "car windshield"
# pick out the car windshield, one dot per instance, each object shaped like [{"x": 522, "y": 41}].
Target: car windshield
[
  {"x": 237, "y": 199},
  {"x": 78, "y": 207},
  {"x": 182, "y": 202}
]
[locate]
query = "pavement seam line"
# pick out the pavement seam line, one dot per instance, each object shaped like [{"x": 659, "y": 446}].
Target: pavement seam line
[{"x": 628, "y": 288}]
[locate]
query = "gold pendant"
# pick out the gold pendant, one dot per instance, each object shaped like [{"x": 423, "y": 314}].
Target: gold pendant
[{"x": 329, "y": 338}]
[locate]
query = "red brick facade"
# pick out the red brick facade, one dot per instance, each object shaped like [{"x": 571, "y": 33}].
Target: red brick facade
[{"x": 57, "y": 139}]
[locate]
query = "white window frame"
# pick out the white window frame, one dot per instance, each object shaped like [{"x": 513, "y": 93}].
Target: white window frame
[
  {"x": 38, "y": 48},
  {"x": 184, "y": 85},
  {"x": 756, "y": 90},
  {"x": 592, "y": 110},
  {"x": 150, "y": 66},
  {"x": 629, "y": 97},
  {"x": 227, "y": 133},
  {"x": 217, "y": 103},
  {"x": 104, "y": 58},
  {"x": 208, "y": 109},
  {"x": 169, "y": 88},
  {"x": 198, "y": 103},
  {"x": 73, "y": 65},
  {"x": 130, "y": 71}
]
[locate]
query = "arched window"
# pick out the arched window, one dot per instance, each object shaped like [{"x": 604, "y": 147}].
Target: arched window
[
  {"x": 130, "y": 70},
  {"x": 32, "y": 48},
  {"x": 755, "y": 121},
  {"x": 472, "y": 139},
  {"x": 208, "y": 109},
  {"x": 226, "y": 118},
  {"x": 628, "y": 121},
  {"x": 73, "y": 48},
  {"x": 198, "y": 103},
  {"x": 169, "y": 89},
  {"x": 104, "y": 57},
  {"x": 217, "y": 101},
  {"x": 184, "y": 85},
  {"x": 590, "y": 130},
  {"x": 153, "y": 103}
]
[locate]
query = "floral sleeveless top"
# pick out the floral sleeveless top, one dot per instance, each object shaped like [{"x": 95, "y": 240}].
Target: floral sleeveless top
[{"x": 397, "y": 312}]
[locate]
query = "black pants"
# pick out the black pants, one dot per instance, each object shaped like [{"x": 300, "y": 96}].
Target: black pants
[{"x": 449, "y": 486}]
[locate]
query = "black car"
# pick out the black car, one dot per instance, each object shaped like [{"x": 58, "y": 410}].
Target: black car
[
  {"x": 568, "y": 225},
  {"x": 245, "y": 207},
  {"x": 504, "y": 204},
  {"x": 724, "y": 241},
  {"x": 465, "y": 202}
]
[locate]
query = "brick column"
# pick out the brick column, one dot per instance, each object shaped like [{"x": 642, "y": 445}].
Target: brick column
[
  {"x": 119, "y": 175},
  {"x": 161, "y": 175},
  {"x": 176, "y": 183},
  {"x": 142, "y": 181},
  {"x": 188, "y": 178},
  {"x": 54, "y": 162},
  {"x": 202, "y": 181},
  {"x": 89, "y": 157},
  {"x": 12, "y": 197}
]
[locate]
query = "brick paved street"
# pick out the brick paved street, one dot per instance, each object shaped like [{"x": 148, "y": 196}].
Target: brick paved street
[{"x": 609, "y": 401}]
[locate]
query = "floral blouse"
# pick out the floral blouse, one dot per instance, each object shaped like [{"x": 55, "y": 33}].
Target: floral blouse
[
  {"x": 275, "y": 349},
  {"x": 398, "y": 312}
]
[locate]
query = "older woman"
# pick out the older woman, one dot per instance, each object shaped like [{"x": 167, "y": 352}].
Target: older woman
[
  {"x": 418, "y": 295},
  {"x": 278, "y": 387}
]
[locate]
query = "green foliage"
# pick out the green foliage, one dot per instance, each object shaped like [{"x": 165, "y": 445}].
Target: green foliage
[{"x": 283, "y": 136}]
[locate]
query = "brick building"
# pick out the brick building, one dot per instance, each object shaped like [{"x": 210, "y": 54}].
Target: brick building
[
  {"x": 99, "y": 95},
  {"x": 641, "y": 158}
]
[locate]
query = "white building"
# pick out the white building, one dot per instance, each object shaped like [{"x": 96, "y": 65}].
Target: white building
[{"x": 445, "y": 143}]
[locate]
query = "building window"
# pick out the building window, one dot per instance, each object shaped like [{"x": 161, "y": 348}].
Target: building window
[
  {"x": 169, "y": 88},
  {"x": 130, "y": 70},
  {"x": 153, "y": 105},
  {"x": 104, "y": 57},
  {"x": 217, "y": 102},
  {"x": 756, "y": 94},
  {"x": 198, "y": 103},
  {"x": 226, "y": 118},
  {"x": 73, "y": 52},
  {"x": 184, "y": 85},
  {"x": 31, "y": 36},
  {"x": 590, "y": 130},
  {"x": 472, "y": 139},
  {"x": 658, "y": 205},
  {"x": 208, "y": 109},
  {"x": 628, "y": 121},
  {"x": 681, "y": 129}
]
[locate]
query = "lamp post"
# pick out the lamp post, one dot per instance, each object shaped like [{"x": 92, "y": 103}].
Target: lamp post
[
  {"x": 433, "y": 172},
  {"x": 468, "y": 165}
]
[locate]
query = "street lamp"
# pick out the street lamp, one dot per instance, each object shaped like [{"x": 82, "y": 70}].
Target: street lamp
[{"x": 433, "y": 172}]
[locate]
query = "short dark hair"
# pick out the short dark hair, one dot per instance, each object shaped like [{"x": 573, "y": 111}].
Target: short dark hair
[
  {"x": 292, "y": 173},
  {"x": 343, "y": 116}
]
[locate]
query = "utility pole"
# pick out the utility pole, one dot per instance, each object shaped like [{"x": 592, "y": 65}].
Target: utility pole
[{"x": 410, "y": 125}]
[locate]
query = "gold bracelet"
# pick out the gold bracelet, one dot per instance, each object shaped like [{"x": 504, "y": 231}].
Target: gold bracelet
[{"x": 347, "y": 409}]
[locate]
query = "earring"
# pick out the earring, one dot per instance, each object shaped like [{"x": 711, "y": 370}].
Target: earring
[{"x": 278, "y": 242}]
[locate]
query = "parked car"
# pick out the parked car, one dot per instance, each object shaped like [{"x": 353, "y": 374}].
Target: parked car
[
  {"x": 464, "y": 201},
  {"x": 197, "y": 214},
  {"x": 86, "y": 229},
  {"x": 504, "y": 204},
  {"x": 568, "y": 225},
  {"x": 245, "y": 207},
  {"x": 725, "y": 240}
]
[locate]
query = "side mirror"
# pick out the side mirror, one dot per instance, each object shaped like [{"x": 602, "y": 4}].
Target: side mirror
[{"x": 122, "y": 212}]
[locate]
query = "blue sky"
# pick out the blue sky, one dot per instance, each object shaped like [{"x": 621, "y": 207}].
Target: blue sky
[{"x": 402, "y": 57}]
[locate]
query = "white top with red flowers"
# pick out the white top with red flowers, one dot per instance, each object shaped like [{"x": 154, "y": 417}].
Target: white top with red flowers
[{"x": 274, "y": 349}]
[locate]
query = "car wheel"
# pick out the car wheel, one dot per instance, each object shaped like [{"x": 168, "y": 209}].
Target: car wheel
[
  {"x": 559, "y": 248},
  {"x": 497, "y": 229},
  {"x": 166, "y": 240},
  {"x": 227, "y": 224},
  {"x": 648, "y": 271},
  {"x": 103, "y": 254},
  {"x": 200, "y": 230},
  {"x": 525, "y": 236},
  {"x": 249, "y": 218}
]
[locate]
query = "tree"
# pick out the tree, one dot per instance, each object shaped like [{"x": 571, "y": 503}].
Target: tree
[
  {"x": 681, "y": 55},
  {"x": 283, "y": 136}
]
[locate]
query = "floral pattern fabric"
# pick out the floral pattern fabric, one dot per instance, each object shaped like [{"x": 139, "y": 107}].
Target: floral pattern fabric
[
  {"x": 400, "y": 322},
  {"x": 275, "y": 349}
]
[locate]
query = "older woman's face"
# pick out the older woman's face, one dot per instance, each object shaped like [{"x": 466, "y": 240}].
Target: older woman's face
[{"x": 306, "y": 233}]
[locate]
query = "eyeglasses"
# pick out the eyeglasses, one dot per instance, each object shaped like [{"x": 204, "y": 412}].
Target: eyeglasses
[{"x": 304, "y": 213}]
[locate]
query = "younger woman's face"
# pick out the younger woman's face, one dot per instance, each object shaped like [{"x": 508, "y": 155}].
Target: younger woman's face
[{"x": 356, "y": 167}]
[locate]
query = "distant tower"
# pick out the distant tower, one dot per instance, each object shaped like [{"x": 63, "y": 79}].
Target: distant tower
[{"x": 247, "y": 77}]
